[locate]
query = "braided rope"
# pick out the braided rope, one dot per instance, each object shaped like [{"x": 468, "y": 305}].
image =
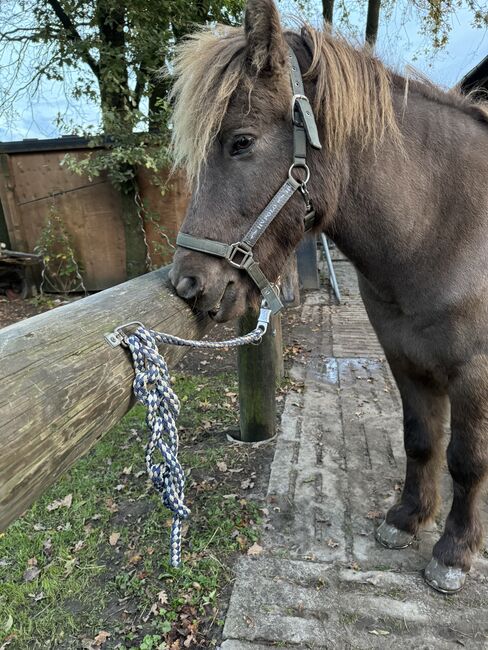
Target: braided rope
[{"x": 152, "y": 388}]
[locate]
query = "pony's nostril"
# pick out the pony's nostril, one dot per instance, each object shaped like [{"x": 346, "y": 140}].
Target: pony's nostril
[{"x": 189, "y": 287}]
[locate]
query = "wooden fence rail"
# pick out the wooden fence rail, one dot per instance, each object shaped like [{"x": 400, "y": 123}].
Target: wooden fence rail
[{"x": 62, "y": 386}]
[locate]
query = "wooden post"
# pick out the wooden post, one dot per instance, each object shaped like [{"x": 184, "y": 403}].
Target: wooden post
[
  {"x": 277, "y": 333},
  {"x": 62, "y": 386},
  {"x": 257, "y": 383}
]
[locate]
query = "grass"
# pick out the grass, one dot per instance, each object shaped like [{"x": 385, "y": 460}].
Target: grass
[{"x": 91, "y": 570}]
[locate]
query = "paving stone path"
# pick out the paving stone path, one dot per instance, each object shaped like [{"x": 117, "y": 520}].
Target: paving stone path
[{"x": 322, "y": 581}]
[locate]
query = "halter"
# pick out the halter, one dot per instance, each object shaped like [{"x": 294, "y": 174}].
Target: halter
[{"x": 240, "y": 254}]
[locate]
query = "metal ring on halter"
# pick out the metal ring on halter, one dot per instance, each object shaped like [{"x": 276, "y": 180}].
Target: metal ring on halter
[{"x": 299, "y": 166}]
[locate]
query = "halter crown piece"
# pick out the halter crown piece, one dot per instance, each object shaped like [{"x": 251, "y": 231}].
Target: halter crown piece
[{"x": 240, "y": 254}]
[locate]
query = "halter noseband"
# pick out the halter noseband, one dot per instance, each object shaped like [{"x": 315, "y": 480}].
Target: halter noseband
[{"x": 240, "y": 254}]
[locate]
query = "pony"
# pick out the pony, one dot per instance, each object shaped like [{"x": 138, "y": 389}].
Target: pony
[{"x": 400, "y": 184}]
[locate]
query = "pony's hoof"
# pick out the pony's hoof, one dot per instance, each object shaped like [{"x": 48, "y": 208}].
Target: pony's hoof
[
  {"x": 392, "y": 537},
  {"x": 446, "y": 579}
]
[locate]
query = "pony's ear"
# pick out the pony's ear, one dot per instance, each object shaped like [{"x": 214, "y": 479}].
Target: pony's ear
[{"x": 267, "y": 50}]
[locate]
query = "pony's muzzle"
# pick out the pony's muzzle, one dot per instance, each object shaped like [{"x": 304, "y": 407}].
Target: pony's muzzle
[
  {"x": 189, "y": 287},
  {"x": 209, "y": 284}
]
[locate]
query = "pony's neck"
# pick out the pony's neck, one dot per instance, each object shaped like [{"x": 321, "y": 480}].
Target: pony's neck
[{"x": 399, "y": 214}]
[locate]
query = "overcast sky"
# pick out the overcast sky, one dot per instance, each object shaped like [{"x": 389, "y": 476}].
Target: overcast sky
[{"x": 399, "y": 43}]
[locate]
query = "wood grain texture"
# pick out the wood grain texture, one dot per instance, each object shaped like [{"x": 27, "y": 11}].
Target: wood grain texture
[
  {"x": 62, "y": 386},
  {"x": 257, "y": 383}
]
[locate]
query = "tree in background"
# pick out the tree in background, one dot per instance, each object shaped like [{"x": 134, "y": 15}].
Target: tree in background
[
  {"x": 435, "y": 15},
  {"x": 111, "y": 52}
]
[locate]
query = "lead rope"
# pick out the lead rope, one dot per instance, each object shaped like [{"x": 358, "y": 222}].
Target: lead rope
[{"x": 152, "y": 388}]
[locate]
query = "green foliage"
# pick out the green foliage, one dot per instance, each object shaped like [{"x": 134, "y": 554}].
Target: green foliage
[
  {"x": 61, "y": 269},
  {"x": 121, "y": 46},
  {"x": 121, "y": 157},
  {"x": 111, "y": 53}
]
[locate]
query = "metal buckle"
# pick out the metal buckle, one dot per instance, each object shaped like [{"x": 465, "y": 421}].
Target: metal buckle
[
  {"x": 240, "y": 248},
  {"x": 294, "y": 100}
]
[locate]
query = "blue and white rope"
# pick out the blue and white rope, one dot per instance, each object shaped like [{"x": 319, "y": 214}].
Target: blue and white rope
[{"x": 152, "y": 388}]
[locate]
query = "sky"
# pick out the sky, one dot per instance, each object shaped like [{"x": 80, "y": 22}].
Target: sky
[{"x": 400, "y": 43}]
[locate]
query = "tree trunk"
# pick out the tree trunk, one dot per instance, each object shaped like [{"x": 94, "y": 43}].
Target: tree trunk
[
  {"x": 372, "y": 21},
  {"x": 135, "y": 246},
  {"x": 114, "y": 77},
  {"x": 328, "y": 11}
]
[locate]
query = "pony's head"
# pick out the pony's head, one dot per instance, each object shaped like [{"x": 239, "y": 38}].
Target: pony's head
[{"x": 233, "y": 132}]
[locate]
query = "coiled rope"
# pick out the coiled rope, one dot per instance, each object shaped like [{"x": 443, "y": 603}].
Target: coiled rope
[{"x": 152, "y": 388}]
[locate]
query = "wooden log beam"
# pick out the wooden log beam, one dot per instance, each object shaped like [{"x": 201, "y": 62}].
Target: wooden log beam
[{"x": 62, "y": 386}]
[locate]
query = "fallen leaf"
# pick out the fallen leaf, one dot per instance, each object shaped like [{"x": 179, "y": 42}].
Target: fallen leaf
[
  {"x": 222, "y": 466},
  {"x": 69, "y": 565},
  {"x": 61, "y": 503},
  {"x": 127, "y": 470},
  {"x": 154, "y": 611},
  {"x": 31, "y": 574},
  {"x": 37, "y": 597},
  {"x": 101, "y": 638},
  {"x": 255, "y": 549},
  {"x": 113, "y": 539},
  {"x": 247, "y": 484},
  {"x": 47, "y": 547},
  {"x": 8, "y": 624},
  {"x": 78, "y": 546},
  {"x": 111, "y": 505},
  {"x": 134, "y": 559},
  {"x": 374, "y": 514},
  {"x": 163, "y": 597}
]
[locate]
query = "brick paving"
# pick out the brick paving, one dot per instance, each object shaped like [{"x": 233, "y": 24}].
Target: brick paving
[{"x": 322, "y": 581}]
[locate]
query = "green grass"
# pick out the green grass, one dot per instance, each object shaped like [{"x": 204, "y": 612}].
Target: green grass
[{"x": 87, "y": 585}]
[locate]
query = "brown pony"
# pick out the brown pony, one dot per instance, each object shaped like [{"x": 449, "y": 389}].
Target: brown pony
[{"x": 401, "y": 186}]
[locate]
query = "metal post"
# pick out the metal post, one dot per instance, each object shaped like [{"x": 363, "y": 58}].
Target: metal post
[
  {"x": 307, "y": 263},
  {"x": 330, "y": 266}
]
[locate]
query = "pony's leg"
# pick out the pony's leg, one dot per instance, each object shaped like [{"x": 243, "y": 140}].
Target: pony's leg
[
  {"x": 425, "y": 409},
  {"x": 467, "y": 457}
]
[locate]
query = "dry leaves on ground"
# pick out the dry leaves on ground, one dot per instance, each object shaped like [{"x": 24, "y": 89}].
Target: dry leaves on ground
[{"x": 61, "y": 503}]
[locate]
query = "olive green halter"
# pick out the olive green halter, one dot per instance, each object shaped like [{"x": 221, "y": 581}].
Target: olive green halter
[{"x": 240, "y": 254}]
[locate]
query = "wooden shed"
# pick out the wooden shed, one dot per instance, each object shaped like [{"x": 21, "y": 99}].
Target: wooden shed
[{"x": 33, "y": 182}]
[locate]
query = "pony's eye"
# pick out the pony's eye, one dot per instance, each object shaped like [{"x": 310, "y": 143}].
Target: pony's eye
[{"x": 241, "y": 144}]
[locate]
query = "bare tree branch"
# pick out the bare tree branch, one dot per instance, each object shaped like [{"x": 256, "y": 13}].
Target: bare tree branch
[{"x": 74, "y": 35}]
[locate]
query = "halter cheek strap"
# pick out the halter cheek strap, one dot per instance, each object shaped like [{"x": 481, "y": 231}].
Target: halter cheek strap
[{"x": 240, "y": 254}]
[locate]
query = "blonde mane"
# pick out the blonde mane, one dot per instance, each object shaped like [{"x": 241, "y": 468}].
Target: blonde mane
[{"x": 352, "y": 97}]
